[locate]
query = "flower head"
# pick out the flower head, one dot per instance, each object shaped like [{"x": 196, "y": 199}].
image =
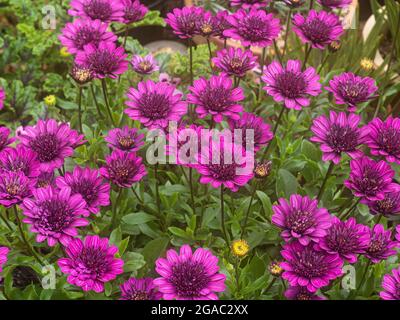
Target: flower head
[
  {"x": 3, "y": 257},
  {"x": 144, "y": 65},
  {"x": 81, "y": 75},
  {"x": 240, "y": 248},
  {"x": 123, "y": 169},
  {"x": 125, "y": 139},
  {"x": 134, "y": 11},
  {"x": 20, "y": 159},
  {"x": 2, "y": 98},
  {"x": 339, "y": 134},
  {"x": 139, "y": 289},
  {"x": 381, "y": 246},
  {"x": 5, "y": 139},
  {"x": 14, "y": 188},
  {"x": 216, "y": 97},
  {"x": 333, "y": 4},
  {"x": 262, "y": 169},
  {"x": 235, "y": 61},
  {"x": 155, "y": 104},
  {"x": 389, "y": 205},
  {"x": 184, "y": 22},
  {"x": 352, "y": 90},
  {"x": 207, "y": 25},
  {"x": 64, "y": 52},
  {"x": 318, "y": 28},
  {"x": 221, "y": 23},
  {"x": 290, "y": 84},
  {"x": 275, "y": 269},
  {"x": 367, "y": 64},
  {"x": 246, "y": 4},
  {"x": 391, "y": 286},
  {"x": 188, "y": 275},
  {"x": 301, "y": 219},
  {"x": 50, "y": 100},
  {"x": 54, "y": 214},
  {"x": 301, "y": 293},
  {"x": 103, "y": 10},
  {"x": 91, "y": 263}
]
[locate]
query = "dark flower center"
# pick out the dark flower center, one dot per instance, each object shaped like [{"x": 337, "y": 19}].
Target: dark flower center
[
  {"x": 123, "y": 170},
  {"x": 46, "y": 146},
  {"x": 55, "y": 215},
  {"x": 104, "y": 62},
  {"x": 134, "y": 294},
  {"x": 377, "y": 245},
  {"x": 86, "y": 35},
  {"x": 389, "y": 205},
  {"x": 93, "y": 260},
  {"x": 353, "y": 92},
  {"x": 304, "y": 296},
  {"x": 132, "y": 14},
  {"x": 316, "y": 30},
  {"x": 221, "y": 171},
  {"x": 370, "y": 182},
  {"x": 154, "y": 106},
  {"x": 389, "y": 140},
  {"x": 187, "y": 24},
  {"x": 300, "y": 221},
  {"x": 216, "y": 99},
  {"x": 13, "y": 188},
  {"x": 342, "y": 239},
  {"x": 310, "y": 263},
  {"x": 98, "y": 9},
  {"x": 206, "y": 28},
  {"x": 254, "y": 29},
  {"x": 342, "y": 139},
  {"x": 291, "y": 84},
  {"x": 17, "y": 164},
  {"x": 86, "y": 189},
  {"x": 126, "y": 142},
  {"x": 145, "y": 65}
]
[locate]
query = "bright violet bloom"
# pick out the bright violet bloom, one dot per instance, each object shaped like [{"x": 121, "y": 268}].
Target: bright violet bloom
[
  {"x": 318, "y": 28},
  {"x": 105, "y": 60},
  {"x": 398, "y": 233},
  {"x": 370, "y": 180},
  {"x": 207, "y": 25},
  {"x": 291, "y": 85},
  {"x": 81, "y": 32},
  {"x": 123, "y": 169},
  {"x": 221, "y": 23},
  {"x": 391, "y": 286},
  {"x": 333, "y": 4},
  {"x": 87, "y": 183},
  {"x": 235, "y": 61},
  {"x": 139, "y": 289},
  {"x": 262, "y": 133},
  {"x": 155, "y": 104},
  {"x": 125, "y": 139},
  {"x": 184, "y": 22},
  {"x": 3, "y": 257},
  {"x": 2, "y": 98},
  {"x": 14, "y": 188},
  {"x": 55, "y": 214},
  {"x": 352, "y": 90},
  {"x": 188, "y": 275},
  {"x": 390, "y": 205},
  {"x": 339, "y": 134},
  {"x": 52, "y": 142},
  {"x": 253, "y": 28},
  {"x": 301, "y": 293},
  {"x": 381, "y": 246},
  {"x": 346, "y": 238},
  {"x": 46, "y": 179},
  {"x": 134, "y": 11},
  {"x": 301, "y": 219},
  {"x": 245, "y": 4},
  {"x": 384, "y": 138},
  {"x": 5, "y": 139},
  {"x": 216, "y": 97},
  {"x": 20, "y": 159},
  {"x": 91, "y": 263},
  {"x": 309, "y": 266},
  {"x": 144, "y": 65},
  {"x": 104, "y": 10}
]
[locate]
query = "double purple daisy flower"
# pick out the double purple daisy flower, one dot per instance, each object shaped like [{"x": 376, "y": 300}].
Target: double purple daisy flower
[
  {"x": 381, "y": 245},
  {"x": 125, "y": 139},
  {"x": 139, "y": 289},
  {"x": 235, "y": 61}
]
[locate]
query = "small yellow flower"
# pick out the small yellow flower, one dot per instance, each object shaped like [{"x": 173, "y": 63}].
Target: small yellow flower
[
  {"x": 240, "y": 248},
  {"x": 275, "y": 269},
  {"x": 64, "y": 52},
  {"x": 50, "y": 100},
  {"x": 262, "y": 169},
  {"x": 367, "y": 64}
]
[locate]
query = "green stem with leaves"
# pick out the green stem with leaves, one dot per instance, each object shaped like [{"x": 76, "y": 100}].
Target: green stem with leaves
[
  {"x": 328, "y": 174},
  {"x": 274, "y": 132},
  {"x": 115, "y": 209},
  {"x": 223, "y": 228},
  {"x": 104, "y": 87},
  {"x": 244, "y": 226},
  {"x": 80, "y": 89}
]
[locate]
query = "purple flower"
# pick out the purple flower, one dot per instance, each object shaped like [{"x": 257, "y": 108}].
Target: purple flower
[
  {"x": 188, "y": 275},
  {"x": 184, "y": 22},
  {"x": 134, "y": 11},
  {"x": 246, "y": 4},
  {"x": 105, "y": 60},
  {"x": 2, "y": 98},
  {"x": 144, "y": 65},
  {"x": 216, "y": 97},
  {"x": 91, "y": 263},
  {"x": 309, "y": 266},
  {"x": 253, "y": 28},
  {"x": 54, "y": 214},
  {"x": 384, "y": 138},
  {"x": 339, "y": 134},
  {"x": 123, "y": 169},
  {"x": 139, "y": 289},
  {"x": 81, "y": 75},
  {"x": 291, "y": 85},
  {"x": 3, "y": 257},
  {"x": 5, "y": 139},
  {"x": 352, "y": 90},
  {"x": 52, "y": 142},
  {"x": 381, "y": 246},
  {"x": 20, "y": 159},
  {"x": 155, "y": 104},
  {"x": 390, "y": 205},
  {"x": 87, "y": 183},
  {"x": 370, "y": 180},
  {"x": 235, "y": 61},
  {"x": 125, "y": 139},
  {"x": 318, "y": 28},
  {"x": 294, "y": 3},
  {"x": 14, "y": 188},
  {"x": 207, "y": 25},
  {"x": 104, "y": 10},
  {"x": 81, "y": 32},
  {"x": 391, "y": 286},
  {"x": 346, "y": 238},
  {"x": 221, "y": 23},
  {"x": 262, "y": 133},
  {"x": 301, "y": 293},
  {"x": 301, "y": 219},
  {"x": 333, "y": 4},
  {"x": 398, "y": 233}
]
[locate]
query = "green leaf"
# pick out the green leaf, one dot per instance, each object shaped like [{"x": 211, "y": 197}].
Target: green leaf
[
  {"x": 137, "y": 218},
  {"x": 286, "y": 184},
  {"x": 154, "y": 249}
]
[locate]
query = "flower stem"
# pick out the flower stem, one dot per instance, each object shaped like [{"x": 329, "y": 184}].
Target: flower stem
[
  {"x": 311, "y": 4},
  {"x": 157, "y": 189},
  {"x": 278, "y": 54},
  {"x": 223, "y": 216},
  {"x": 328, "y": 174},
  {"x": 287, "y": 31},
  {"x": 192, "y": 190},
  {"x": 210, "y": 53},
  {"x": 104, "y": 87},
  {"x": 362, "y": 278},
  {"x": 137, "y": 196},
  {"x": 348, "y": 212},
  {"x": 191, "y": 110},
  {"x": 80, "y": 108},
  {"x": 274, "y": 132},
  {"x": 306, "y": 55},
  {"x": 323, "y": 63},
  {"x": 95, "y": 101},
  {"x": 253, "y": 193},
  {"x": 114, "y": 210},
  {"x": 270, "y": 284},
  {"x": 264, "y": 51}
]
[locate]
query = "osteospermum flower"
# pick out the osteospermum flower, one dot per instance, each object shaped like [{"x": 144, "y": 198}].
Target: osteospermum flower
[
  {"x": 207, "y": 24},
  {"x": 389, "y": 205},
  {"x": 87, "y": 183},
  {"x": 339, "y": 134},
  {"x": 188, "y": 275},
  {"x": 81, "y": 32},
  {"x": 51, "y": 141},
  {"x": 245, "y": 4},
  {"x": 384, "y": 138},
  {"x": 261, "y": 132},
  {"x": 391, "y": 286},
  {"x": 346, "y": 238},
  {"x": 216, "y": 97},
  {"x": 139, "y": 289},
  {"x": 144, "y": 65},
  {"x": 290, "y": 84},
  {"x": 134, "y": 11},
  {"x": 253, "y": 28},
  {"x": 3, "y": 257},
  {"x": 318, "y": 28},
  {"x": 20, "y": 159},
  {"x": 184, "y": 22},
  {"x": 301, "y": 219},
  {"x": 106, "y": 60},
  {"x": 14, "y": 188},
  {"x": 123, "y": 169},
  {"x": 370, "y": 180},
  {"x": 235, "y": 61},
  {"x": 309, "y": 266},
  {"x": 352, "y": 90},
  {"x": 301, "y": 293},
  {"x": 125, "y": 139},
  {"x": 221, "y": 23},
  {"x": 104, "y": 10},
  {"x": 91, "y": 263},
  {"x": 2, "y": 98},
  {"x": 333, "y": 4},
  {"x": 5, "y": 139},
  {"x": 54, "y": 214},
  {"x": 81, "y": 75},
  {"x": 381, "y": 246}
]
